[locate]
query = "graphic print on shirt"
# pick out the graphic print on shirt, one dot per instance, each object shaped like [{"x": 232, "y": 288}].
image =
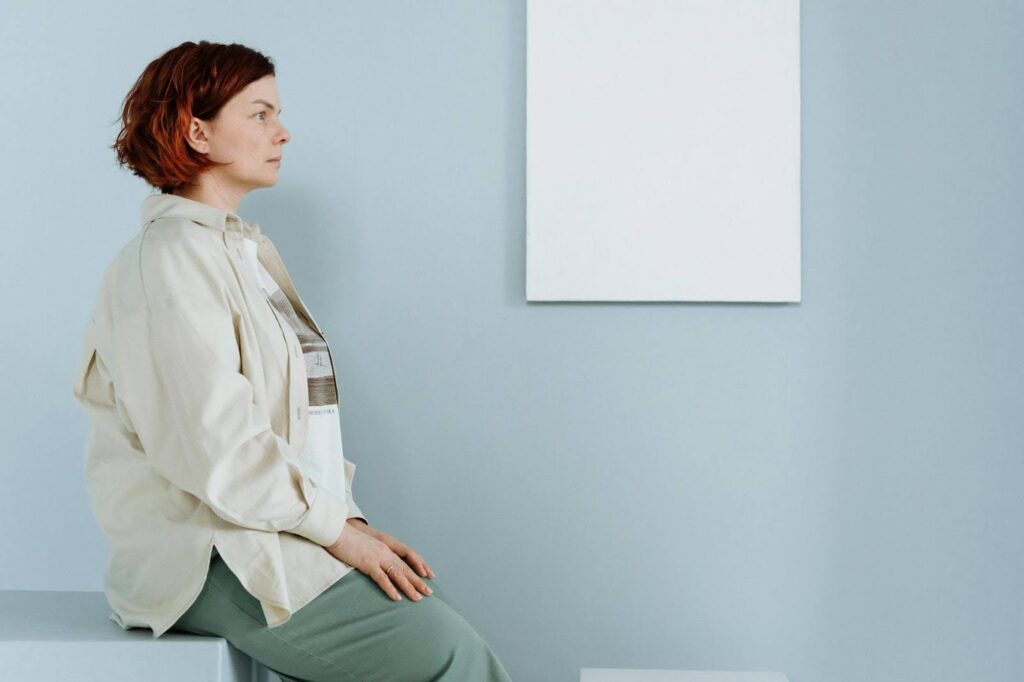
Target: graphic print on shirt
[
  {"x": 322, "y": 458},
  {"x": 319, "y": 372}
]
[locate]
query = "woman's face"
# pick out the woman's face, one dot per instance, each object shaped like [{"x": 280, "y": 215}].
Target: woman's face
[{"x": 247, "y": 133}]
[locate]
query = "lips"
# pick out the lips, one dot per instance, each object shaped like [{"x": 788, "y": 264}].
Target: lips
[{"x": 276, "y": 158}]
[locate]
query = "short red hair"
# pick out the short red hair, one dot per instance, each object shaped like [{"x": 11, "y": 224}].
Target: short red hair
[{"x": 192, "y": 79}]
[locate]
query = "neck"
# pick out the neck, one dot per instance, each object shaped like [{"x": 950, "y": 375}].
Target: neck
[{"x": 207, "y": 191}]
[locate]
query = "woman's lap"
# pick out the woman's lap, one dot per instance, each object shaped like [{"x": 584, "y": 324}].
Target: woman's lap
[{"x": 352, "y": 632}]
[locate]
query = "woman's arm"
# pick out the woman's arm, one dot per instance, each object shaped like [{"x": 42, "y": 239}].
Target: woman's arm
[{"x": 192, "y": 408}]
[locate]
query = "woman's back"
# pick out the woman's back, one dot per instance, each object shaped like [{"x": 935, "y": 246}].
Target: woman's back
[{"x": 197, "y": 418}]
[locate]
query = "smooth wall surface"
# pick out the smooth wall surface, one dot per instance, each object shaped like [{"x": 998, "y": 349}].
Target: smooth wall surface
[{"x": 830, "y": 489}]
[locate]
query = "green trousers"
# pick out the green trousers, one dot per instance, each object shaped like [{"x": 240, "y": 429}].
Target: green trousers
[{"x": 352, "y": 632}]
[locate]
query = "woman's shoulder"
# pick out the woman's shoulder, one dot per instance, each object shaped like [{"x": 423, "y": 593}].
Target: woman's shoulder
[
  {"x": 169, "y": 257},
  {"x": 170, "y": 232}
]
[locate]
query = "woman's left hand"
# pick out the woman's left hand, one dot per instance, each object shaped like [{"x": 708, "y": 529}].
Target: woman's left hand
[{"x": 411, "y": 556}]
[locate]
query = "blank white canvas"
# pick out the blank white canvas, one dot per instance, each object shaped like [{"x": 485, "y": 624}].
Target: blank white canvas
[{"x": 663, "y": 150}]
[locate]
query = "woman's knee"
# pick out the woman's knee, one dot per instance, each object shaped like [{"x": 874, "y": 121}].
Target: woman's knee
[{"x": 446, "y": 642}]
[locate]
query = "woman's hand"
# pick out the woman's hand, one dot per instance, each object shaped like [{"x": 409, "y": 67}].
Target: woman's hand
[
  {"x": 412, "y": 557},
  {"x": 363, "y": 550}
]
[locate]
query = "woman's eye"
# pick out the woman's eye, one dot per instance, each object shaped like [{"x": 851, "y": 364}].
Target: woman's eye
[{"x": 261, "y": 113}]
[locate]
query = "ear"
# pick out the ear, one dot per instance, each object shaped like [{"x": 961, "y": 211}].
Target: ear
[{"x": 196, "y": 136}]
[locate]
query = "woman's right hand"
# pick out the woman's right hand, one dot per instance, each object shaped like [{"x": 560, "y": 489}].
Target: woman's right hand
[{"x": 372, "y": 557}]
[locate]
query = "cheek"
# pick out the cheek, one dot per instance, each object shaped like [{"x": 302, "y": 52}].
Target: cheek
[
  {"x": 244, "y": 146},
  {"x": 233, "y": 149},
  {"x": 249, "y": 154},
  {"x": 260, "y": 152}
]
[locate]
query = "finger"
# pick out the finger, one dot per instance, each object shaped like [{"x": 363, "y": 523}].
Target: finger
[
  {"x": 411, "y": 557},
  {"x": 419, "y": 584},
  {"x": 413, "y": 585},
  {"x": 382, "y": 579},
  {"x": 399, "y": 576},
  {"x": 401, "y": 581},
  {"x": 417, "y": 562}
]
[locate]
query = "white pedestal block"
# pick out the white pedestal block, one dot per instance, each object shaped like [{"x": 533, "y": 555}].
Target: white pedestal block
[
  {"x": 622, "y": 675},
  {"x": 62, "y": 636}
]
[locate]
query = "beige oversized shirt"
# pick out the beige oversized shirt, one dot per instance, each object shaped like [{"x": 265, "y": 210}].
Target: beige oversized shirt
[{"x": 196, "y": 390}]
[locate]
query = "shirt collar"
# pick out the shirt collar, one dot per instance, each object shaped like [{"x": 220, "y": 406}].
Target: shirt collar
[{"x": 171, "y": 205}]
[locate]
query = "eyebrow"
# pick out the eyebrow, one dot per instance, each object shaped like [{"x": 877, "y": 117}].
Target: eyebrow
[{"x": 265, "y": 102}]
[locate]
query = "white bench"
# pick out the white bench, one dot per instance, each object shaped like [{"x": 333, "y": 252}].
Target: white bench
[
  {"x": 621, "y": 675},
  {"x": 63, "y": 636}
]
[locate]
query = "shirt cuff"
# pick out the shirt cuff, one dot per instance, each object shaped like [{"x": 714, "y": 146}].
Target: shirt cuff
[
  {"x": 354, "y": 512},
  {"x": 325, "y": 520}
]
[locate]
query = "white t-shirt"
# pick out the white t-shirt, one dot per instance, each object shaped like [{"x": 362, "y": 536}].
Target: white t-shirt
[{"x": 322, "y": 458}]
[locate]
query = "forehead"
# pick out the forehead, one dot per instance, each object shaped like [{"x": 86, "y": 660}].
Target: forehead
[{"x": 258, "y": 92}]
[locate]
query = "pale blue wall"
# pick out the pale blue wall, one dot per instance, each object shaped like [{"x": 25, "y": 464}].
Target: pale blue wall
[{"x": 831, "y": 489}]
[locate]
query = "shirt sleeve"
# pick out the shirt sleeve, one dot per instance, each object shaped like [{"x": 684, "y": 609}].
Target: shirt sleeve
[
  {"x": 354, "y": 512},
  {"x": 194, "y": 410}
]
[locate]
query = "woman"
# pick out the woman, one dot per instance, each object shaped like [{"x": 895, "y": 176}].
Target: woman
[{"x": 215, "y": 464}]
